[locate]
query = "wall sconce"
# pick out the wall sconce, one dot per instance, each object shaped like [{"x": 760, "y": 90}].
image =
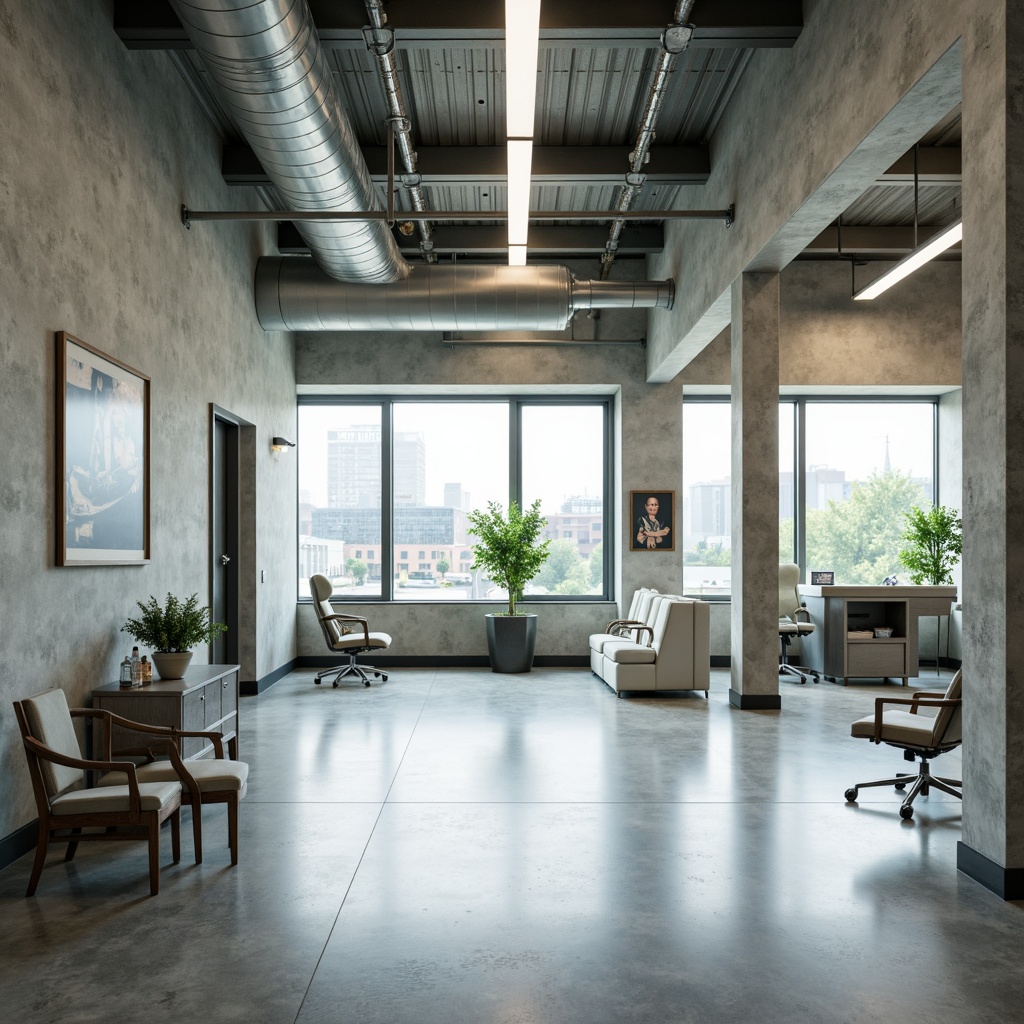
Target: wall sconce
[{"x": 281, "y": 444}]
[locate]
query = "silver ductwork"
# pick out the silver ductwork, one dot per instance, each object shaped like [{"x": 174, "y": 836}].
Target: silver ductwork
[
  {"x": 273, "y": 74},
  {"x": 294, "y": 294}
]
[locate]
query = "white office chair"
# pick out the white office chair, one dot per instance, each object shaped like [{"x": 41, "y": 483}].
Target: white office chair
[
  {"x": 790, "y": 608},
  {"x": 348, "y": 635},
  {"x": 919, "y": 736}
]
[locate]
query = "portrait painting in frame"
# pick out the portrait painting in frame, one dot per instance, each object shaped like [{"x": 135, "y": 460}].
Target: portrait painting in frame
[
  {"x": 652, "y": 526},
  {"x": 102, "y": 473}
]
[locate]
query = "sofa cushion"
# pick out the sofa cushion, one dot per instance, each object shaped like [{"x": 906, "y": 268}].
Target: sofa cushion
[{"x": 630, "y": 654}]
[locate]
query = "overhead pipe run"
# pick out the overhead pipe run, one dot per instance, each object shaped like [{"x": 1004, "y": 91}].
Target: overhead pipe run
[
  {"x": 273, "y": 74},
  {"x": 380, "y": 40},
  {"x": 294, "y": 294},
  {"x": 674, "y": 40}
]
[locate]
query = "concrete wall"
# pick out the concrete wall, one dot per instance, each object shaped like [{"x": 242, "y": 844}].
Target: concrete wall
[
  {"x": 864, "y": 81},
  {"x": 100, "y": 148},
  {"x": 647, "y": 454}
]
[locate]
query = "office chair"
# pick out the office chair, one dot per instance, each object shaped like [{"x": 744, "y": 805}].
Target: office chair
[
  {"x": 919, "y": 736},
  {"x": 344, "y": 635},
  {"x": 790, "y": 608}
]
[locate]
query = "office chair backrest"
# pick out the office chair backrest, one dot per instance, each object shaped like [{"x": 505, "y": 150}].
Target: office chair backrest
[
  {"x": 948, "y": 722},
  {"x": 48, "y": 719},
  {"x": 789, "y": 599},
  {"x": 321, "y": 589}
]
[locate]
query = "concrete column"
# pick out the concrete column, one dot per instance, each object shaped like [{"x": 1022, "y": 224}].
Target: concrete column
[
  {"x": 755, "y": 491},
  {"x": 992, "y": 850}
]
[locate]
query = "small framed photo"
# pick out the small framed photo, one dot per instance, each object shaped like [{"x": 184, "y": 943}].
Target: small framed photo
[
  {"x": 102, "y": 474},
  {"x": 652, "y": 524},
  {"x": 821, "y": 578}
]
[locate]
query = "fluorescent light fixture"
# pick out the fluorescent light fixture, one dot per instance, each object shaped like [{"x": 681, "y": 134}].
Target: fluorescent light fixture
[
  {"x": 520, "y": 161},
  {"x": 920, "y": 256},
  {"x": 517, "y": 255},
  {"x": 522, "y": 37}
]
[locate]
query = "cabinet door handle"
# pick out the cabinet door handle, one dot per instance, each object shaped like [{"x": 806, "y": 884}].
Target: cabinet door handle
[{"x": 202, "y": 698}]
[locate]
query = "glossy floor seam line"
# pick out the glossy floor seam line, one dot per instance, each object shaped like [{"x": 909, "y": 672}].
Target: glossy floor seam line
[{"x": 457, "y": 846}]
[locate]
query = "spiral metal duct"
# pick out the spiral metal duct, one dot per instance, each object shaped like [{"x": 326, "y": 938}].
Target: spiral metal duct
[
  {"x": 295, "y": 295},
  {"x": 273, "y": 74}
]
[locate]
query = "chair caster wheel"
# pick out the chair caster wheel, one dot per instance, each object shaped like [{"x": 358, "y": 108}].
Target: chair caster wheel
[
  {"x": 335, "y": 684},
  {"x": 906, "y": 813},
  {"x": 317, "y": 681},
  {"x": 366, "y": 682},
  {"x": 851, "y": 795},
  {"x": 384, "y": 677},
  {"x": 900, "y": 786}
]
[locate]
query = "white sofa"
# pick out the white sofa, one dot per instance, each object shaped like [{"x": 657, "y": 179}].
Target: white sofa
[{"x": 672, "y": 653}]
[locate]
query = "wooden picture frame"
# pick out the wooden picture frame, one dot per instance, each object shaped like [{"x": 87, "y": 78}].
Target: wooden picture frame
[
  {"x": 641, "y": 536},
  {"x": 102, "y": 477}
]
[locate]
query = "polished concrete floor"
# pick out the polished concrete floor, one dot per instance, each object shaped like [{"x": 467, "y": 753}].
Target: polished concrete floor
[{"x": 458, "y": 846}]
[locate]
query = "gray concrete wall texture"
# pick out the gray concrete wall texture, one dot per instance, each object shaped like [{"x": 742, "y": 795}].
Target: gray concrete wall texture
[
  {"x": 100, "y": 147},
  {"x": 856, "y": 91}
]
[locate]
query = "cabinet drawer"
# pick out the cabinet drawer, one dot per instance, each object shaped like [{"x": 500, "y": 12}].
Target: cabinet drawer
[
  {"x": 212, "y": 704},
  {"x": 874, "y": 658}
]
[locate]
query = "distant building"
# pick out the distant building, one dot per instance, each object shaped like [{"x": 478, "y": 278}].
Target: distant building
[
  {"x": 456, "y": 497},
  {"x": 582, "y": 504},
  {"x": 426, "y": 525},
  {"x": 354, "y": 467},
  {"x": 585, "y": 530}
]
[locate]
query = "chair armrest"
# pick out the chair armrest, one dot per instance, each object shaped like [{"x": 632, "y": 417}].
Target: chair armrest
[
  {"x": 338, "y": 617},
  {"x": 643, "y": 629},
  {"x": 802, "y": 610},
  {"x": 124, "y": 767},
  {"x": 172, "y": 734},
  {"x": 616, "y": 623},
  {"x": 880, "y": 703}
]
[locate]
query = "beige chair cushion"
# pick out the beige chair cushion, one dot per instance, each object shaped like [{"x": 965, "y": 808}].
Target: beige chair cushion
[
  {"x": 350, "y": 640},
  {"x": 49, "y": 721},
  {"x": 214, "y": 775},
  {"x": 630, "y": 654},
  {"x": 153, "y": 796},
  {"x": 897, "y": 727}
]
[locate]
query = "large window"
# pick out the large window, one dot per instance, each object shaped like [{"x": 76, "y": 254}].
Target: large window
[
  {"x": 840, "y": 506},
  {"x": 397, "y": 478}
]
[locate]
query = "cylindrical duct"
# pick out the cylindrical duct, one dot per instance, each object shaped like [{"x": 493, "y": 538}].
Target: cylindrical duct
[
  {"x": 266, "y": 58},
  {"x": 293, "y": 294}
]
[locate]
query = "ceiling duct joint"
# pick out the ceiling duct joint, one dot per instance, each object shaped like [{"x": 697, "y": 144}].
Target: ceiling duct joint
[
  {"x": 636, "y": 178},
  {"x": 411, "y": 180},
  {"x": 676, "y": 38},
  {"x": 379, "y": 41}
]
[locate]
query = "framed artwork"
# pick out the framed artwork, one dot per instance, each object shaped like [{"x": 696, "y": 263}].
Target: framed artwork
[
  {"x": 652, "y": 520},
  {"x": 102, "y": 475}
]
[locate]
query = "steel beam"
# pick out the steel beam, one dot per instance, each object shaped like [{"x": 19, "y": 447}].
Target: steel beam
[
  {"x": 937, "y": 165},
  {"x": 724, "y": 24},
  {"x": 472, "y": 165},
  {"x": 859, "y": 240}
]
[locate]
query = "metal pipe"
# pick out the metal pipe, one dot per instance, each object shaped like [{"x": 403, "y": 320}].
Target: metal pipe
[
  {"x": 454, "y": 216},
  {"x": 381, "y": 41},
  {"x": 294, "y": 294},
  {"x": 674, "y": 40},
  {"x": 275, "y": 78}
]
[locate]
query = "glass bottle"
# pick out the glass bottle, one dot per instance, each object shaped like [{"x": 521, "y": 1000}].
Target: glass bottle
[
  {"x": 136, "y": 668},
  {"x": 147, "y": 670},
  {"x": 126, "y": 673}
]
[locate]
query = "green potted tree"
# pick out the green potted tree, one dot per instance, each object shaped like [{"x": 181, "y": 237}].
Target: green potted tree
[
  {"x": 935, "y": 543},
  {"x": 172, "y": 631},
  {"x": 510, "y": 554}
]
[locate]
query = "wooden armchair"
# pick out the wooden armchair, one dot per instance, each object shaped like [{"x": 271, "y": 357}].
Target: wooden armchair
[
  {"x": 125, "y": 809},
  {"x": 216, "y": 780}
]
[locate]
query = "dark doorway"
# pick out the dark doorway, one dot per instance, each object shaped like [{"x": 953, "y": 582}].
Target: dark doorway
[{"x": 224, "y": 554}]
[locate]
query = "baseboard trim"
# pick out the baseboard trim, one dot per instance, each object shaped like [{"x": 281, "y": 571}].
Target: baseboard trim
[
  {"x": 444, "y": 661},
  {"x": 254, "y": 687},
  {"x": 721, "y": 661},
  {"x": 18, "y": 843},
  {"x": 1006, "y": 883},
  {"x": 755, "y": 701}
]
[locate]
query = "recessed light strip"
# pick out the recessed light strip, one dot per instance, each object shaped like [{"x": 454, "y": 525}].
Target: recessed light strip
[
  {"x": 918, "y": 258},
  {"x": 522, "y": 39}
]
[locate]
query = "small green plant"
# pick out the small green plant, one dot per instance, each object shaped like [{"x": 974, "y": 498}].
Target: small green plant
[
  {"x": 935, "y": 538},
  {"x": 178, "y": 626},
  {"x": 508, "y": 551}
]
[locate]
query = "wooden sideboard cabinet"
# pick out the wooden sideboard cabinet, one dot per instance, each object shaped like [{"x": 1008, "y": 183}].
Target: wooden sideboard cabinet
[{"x": 206, "y": 699}]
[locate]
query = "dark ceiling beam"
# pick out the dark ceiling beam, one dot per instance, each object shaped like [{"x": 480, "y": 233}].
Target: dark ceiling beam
[
  {"x": 724, "y": 24},
  {"x": 937, "y": 165},
  {"x": 861, "y": 240},
  {"x": 492, "y": 240},
  {"x": 474, "y": 165}
]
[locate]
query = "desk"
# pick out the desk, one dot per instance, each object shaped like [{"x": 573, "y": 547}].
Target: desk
[
  {"x": 836, "y": 610},
  {"x": 206, "y": 699}
]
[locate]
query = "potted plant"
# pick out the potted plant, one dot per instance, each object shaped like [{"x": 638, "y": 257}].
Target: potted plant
[
  {"x": 172, "y": 631},
  {"x": 509, "y": 553},
  {"x": 935, "y": 538}
]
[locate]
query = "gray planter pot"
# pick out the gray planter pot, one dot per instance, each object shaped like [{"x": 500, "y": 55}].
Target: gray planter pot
[
  {"x": 171, "y": 665},
  {"x": 511, "y": 641}
]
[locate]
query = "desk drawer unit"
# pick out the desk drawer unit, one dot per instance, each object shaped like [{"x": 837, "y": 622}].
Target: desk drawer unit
[
  {"x": 206, "y": 699},
  {"x": 876, "y": 657}
]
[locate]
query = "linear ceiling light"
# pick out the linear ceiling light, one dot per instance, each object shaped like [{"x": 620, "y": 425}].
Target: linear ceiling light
[
  {"x": 522, "y": 39},
  {"x": 920, "y": 256}
]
